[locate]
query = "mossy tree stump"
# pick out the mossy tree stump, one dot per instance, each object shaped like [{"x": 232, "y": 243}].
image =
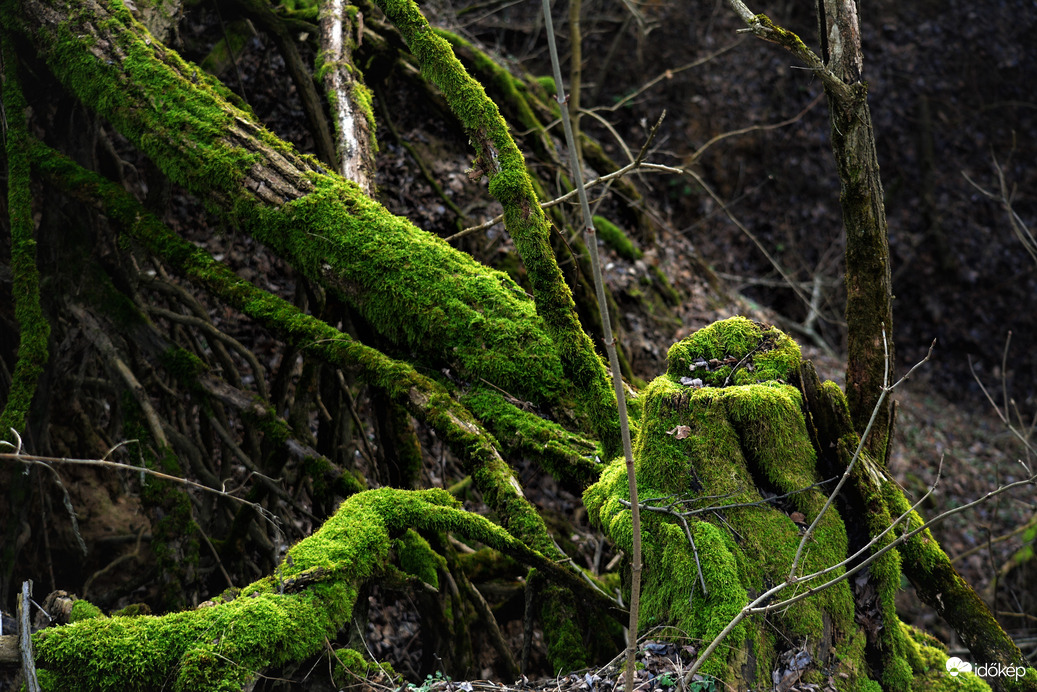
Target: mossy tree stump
[{"x": 723, "y": 440}]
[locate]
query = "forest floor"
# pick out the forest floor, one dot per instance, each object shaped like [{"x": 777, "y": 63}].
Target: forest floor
[{"x": 943, "y": 421}]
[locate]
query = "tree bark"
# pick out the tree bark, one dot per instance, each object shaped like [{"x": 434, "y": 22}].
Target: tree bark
[{"x": 869, "y": 288}]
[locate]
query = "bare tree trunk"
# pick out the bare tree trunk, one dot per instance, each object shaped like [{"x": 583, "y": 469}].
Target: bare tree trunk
[
  {"x": 869, "y": 292},
  {"x": 342, "y": 29}
]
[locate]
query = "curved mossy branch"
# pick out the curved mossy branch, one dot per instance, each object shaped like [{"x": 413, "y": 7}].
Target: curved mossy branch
[
  {"x": 424, "y": 398},
  {"x": 502, "y": 162},
  {"x": 33, "y": 328},
  {"x": 511, "y": 94},
  {"x": 422, "y": 294},
  {"x": 277, "y": 620},
  {"x": 921, "y": 558}
]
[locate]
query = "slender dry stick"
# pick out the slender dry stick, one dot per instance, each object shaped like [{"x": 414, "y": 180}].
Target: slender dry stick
[
  {"x": 45, "y": 461},
  {"x": 575, "y": 75},
  {"x": 638, "y": 164},
  {"x": 32, "y": 684},
  {"x": 610, "y": 346}
]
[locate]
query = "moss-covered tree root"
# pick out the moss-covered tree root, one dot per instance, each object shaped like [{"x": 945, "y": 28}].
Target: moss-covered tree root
[
  {"x": 423, "y": 295},
  {"x": 278, "y": 619},
  {"x": 424, "y": 398},
  {"x": 501, "y": 161}
]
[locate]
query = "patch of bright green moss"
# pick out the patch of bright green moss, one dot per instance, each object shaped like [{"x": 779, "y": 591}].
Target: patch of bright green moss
[
  {"x": 615, "y": 238},
  {"x": 84, "y": 610},
  {"x": 223, "y": 647},
  {"x": 759, "y": 354},
  {"x": 567, "y": 456},
  {"x": 417, "y": 558}
]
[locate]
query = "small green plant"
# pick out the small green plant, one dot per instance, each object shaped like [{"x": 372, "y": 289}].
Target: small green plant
[
  {"x": 430, "y": 680},
  {"x": 704, "y": 683},
  {"x": 666, "y": 680}
]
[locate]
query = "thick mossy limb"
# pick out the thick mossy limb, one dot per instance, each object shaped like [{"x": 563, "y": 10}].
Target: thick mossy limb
[
  {"x": 511, "y": 94},
  {"x": 33, "y": 328},
  {"x": 223, "y": 647},
  {"x": 616, "y": 239},
  {"x": 501, "y": 161},
  {"x": 279, "y": 619},
  {"x": 421, "y": 294}
]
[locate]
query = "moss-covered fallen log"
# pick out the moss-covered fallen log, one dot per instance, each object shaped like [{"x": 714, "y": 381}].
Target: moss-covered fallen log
[
  {"x": 427, "y": 399},
  {"x": 412, "y": 287}
]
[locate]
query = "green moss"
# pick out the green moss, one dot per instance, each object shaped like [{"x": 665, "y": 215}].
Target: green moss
[
  {"x": 417, "y": 558},
  {"x": 616, "y": 239},
  {"x": 567, "y": 456},
  {"x": 745, "y": 352},
  {"x": 84, "y": 610},
  {"x": 784, "y": 37},
  {"x": 351, "y": 667},
  {"x": 566, "y": 648},
  {"x": 33, "y": 328},
  {"x": 183, "y": 365},
  {"x": 509, "y": 92},
  {"x": 133, "y": 610},
  {"x": 418, "y": 292},
  {"x": 364, "y": 99}
]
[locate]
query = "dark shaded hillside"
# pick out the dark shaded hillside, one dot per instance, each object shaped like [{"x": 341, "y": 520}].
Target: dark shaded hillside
[{"x": 950, "y": 93}]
